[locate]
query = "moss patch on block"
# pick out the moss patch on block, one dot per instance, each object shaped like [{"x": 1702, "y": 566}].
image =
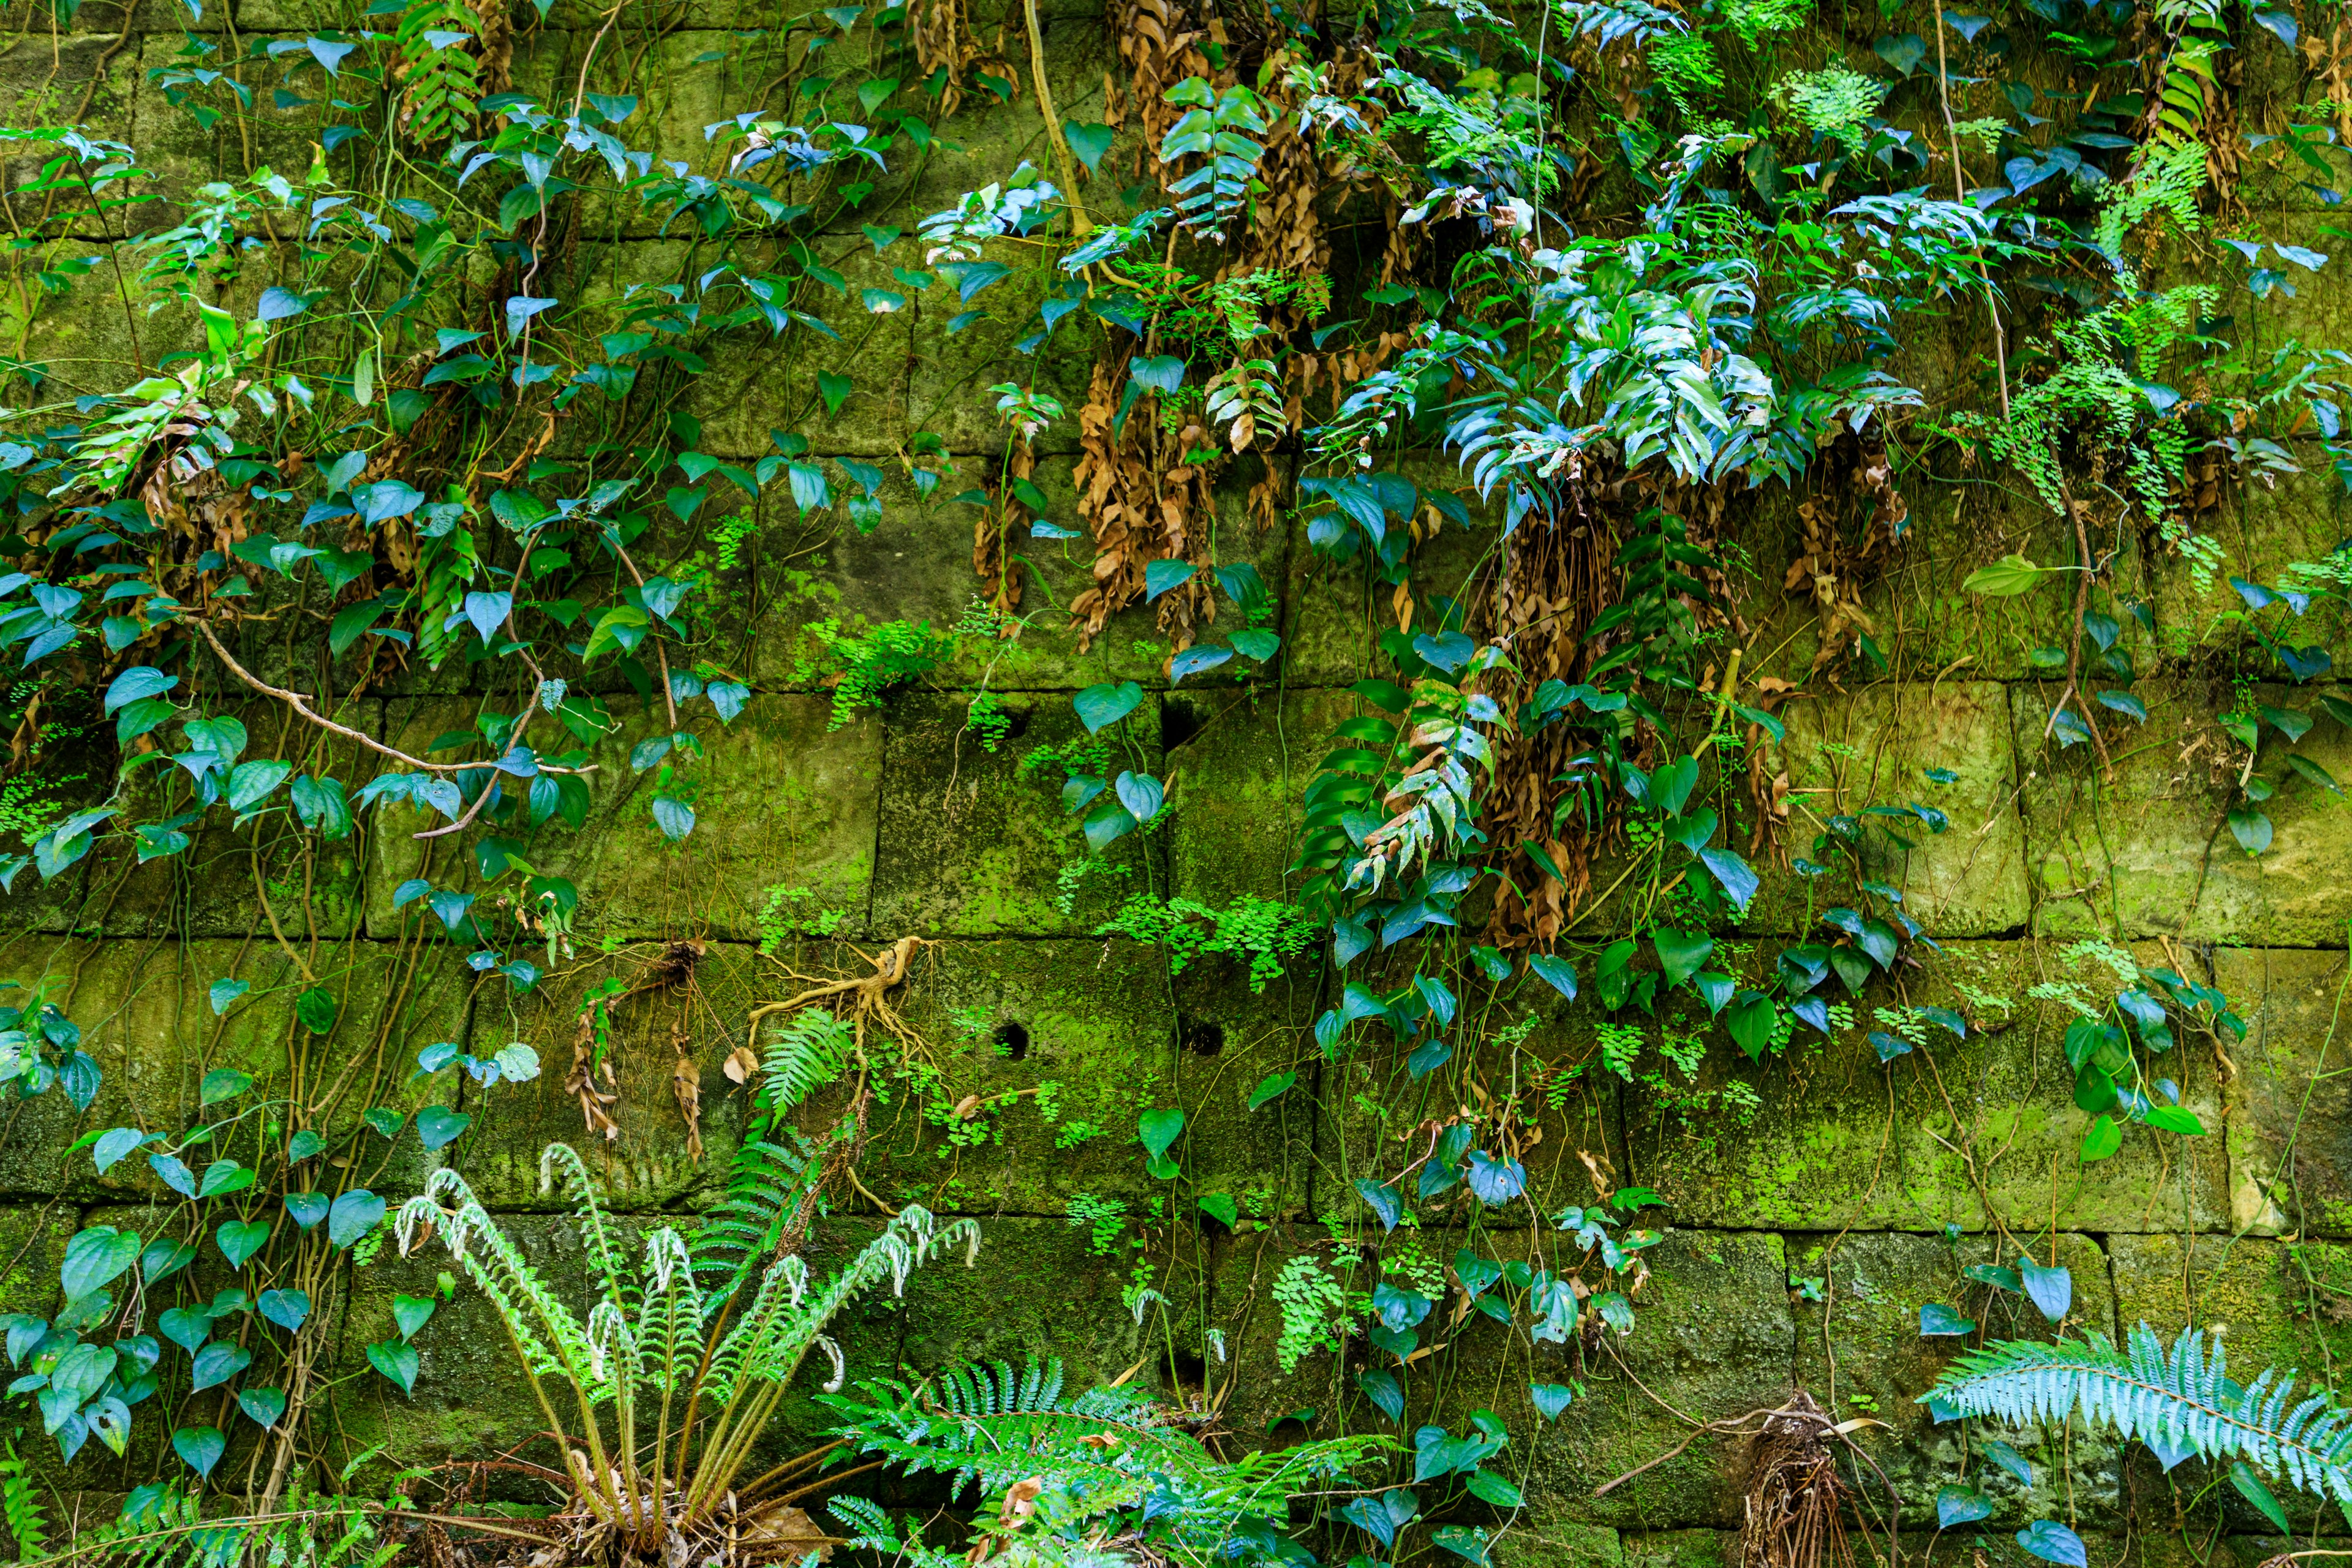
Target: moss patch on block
[
  {"x": 976, "y": 843},
  {"x": 1837, "y": 1139},
  {"x": 1860, "y": 1352},
  {"x": 2290, "y": 1138},
  {"x": 784, "y": 824}
]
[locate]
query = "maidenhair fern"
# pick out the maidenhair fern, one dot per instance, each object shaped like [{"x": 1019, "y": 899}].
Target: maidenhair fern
[{"x": 2174, "y": 1401}]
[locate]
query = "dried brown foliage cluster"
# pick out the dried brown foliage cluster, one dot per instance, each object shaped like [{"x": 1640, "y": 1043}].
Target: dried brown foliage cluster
[
  {"x": 1558, "y": 574},
  {"x": 1852, "y": 524},
  {"x": 1145, "y": 483}
]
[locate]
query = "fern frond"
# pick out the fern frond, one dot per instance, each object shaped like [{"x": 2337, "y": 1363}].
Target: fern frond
[
  {"x": 768, "y": 1185},
  {"x": 1110, "y": 1447},
  {"x": 785, "y": 1319},
  {"x": 768, "y": 1190},
  {"x": 552, "y": 1340},
  {"x": 20, "y": 1506},
  {"x": 670, "y": 1322},
  {"x": 2182, "y": 1398},
  {"x": 804, "y": 1054},
  {"x": 163, "y": 1526},
  {"x": 596, "y": 1234}
]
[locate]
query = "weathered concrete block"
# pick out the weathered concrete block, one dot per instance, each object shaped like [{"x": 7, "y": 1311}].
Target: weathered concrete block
[
  {"x": 1049, "y": 1050},
  {"x": 1832, "y": 1137},
  {"x": 1860, "y": 1352},
  {"x": 2152, "y": 854},
  {"x": 974, "y": 841},
  {"x": 783, "y": 831},
  {"x": 1236, "y": 787}
]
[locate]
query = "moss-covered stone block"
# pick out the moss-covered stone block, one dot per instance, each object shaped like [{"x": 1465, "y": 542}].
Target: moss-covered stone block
[
  {"x": 1235, "y": 788},
  {"x": 1034, "y": 1060},
  {"x": 33, "y": 1241},
  {"x": 209, "y": 133},
  {"x": 233, "y": 880},
  {"x": 636, "y": 1034},
  {"x": 1923, "y": 623},
  {"x": 146, "y": 1017},
  {"x": 782, "y": 836},
  {"x": 910, "y": 572},
  {"x": 1847, "y": 756},
  {"x": 1554, "y": 1090},
  {"x": 1955, "y": 1132},
  {"x": 1712, "y": 1324},
  {"x": 2152, "y": 854},
  {"x": 1548, "y": 1540},
  {"x": 2290, "y": 1142},
  {"x": 975, "y": 842},
  {"x": 2272, "y": 1304},
  {"x": 1860, "y": 1351}
]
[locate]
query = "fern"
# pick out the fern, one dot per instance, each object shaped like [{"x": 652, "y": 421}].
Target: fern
[
  {"x": 163, "y": 1526},
  {"x": 768, "y": 1185},
  {"x": 439, "y": 76},
  {"x": 20, "y": 1506},
  {"x": 1104, "y": 1451},
  {"x": 2180, "y": 1399},
  {"x": 803, "y": 1055},
  {"x": 643, "y": 1339}
]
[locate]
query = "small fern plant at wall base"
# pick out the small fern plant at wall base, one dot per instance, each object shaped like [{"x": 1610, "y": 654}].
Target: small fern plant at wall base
[
  {"x": 667, "y": 1389},
  {"x": 2178, "y": 1402}
]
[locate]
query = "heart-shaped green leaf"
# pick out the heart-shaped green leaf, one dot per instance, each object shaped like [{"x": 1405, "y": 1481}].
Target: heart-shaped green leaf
[
  {"x": 240, "y": 1240},
  {"x": 437, "y": 1126},
  {"x": 218, "y": 1362},
  {"x": 397, "y": 1360}
]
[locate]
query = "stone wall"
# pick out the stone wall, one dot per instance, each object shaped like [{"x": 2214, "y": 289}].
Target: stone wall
[{"x": 1813, "y": 1209}]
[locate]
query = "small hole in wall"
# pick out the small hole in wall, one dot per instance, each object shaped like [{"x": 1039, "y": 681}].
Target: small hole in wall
[
  {"x": 1203, "y": 1039},
  {"x": 1011, "y": 1041},
  {"x": 1015, "y": 721},
  {"x": 1191, "y": 1371},
  {"x": 1179, "y": 722}
]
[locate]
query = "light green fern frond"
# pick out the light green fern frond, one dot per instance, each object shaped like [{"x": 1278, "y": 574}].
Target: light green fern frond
[
  {"x": 2183, "y": 1398},
  {"x": 596, "y": 1234},
  {"x": 670, "y": 1322},
  {"x": 785, "y": 1319},
  {"x": 20, "y": 1506},
  {"x": 804, "y": 1052},
  {"x": 551, "y": 1338}
]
